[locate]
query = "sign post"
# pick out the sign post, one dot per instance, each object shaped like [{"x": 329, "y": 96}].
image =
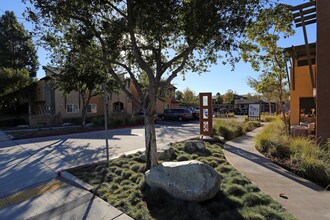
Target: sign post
[
  {"x": 254, "y": 111},
  {"x": 206, "y": 115}
]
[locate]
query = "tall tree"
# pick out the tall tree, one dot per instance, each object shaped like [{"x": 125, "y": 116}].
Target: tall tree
[
  {"x": 218, "y": 99},
  {"x": 267, "y": 86},
  {"x": 178, "y": 95},
  {"x": 189, "y": 97},
  {"x": 160, "y": 38},
  {"x": 13, "y": 79},
  {"x": 229, "y": 96},
  {"x": 17, "y": 50},
  {"x": 263, "y": 50},
  {"x": 85, "y": 76},
  {"x": 253, "y": 96}
]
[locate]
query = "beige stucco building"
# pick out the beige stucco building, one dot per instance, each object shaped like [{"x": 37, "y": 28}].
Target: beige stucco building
[{"x": 49, "y": 106}]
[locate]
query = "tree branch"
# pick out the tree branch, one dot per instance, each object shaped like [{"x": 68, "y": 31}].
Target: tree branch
[
  {"x": 132, "y": 76},
  {"x": 142, "y": 64},
  {"x": 118, "y": 10},
  {"x": 178, "y": 69}
]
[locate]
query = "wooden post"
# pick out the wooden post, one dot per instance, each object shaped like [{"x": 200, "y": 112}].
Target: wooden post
[{"x": 205, "y": 114}]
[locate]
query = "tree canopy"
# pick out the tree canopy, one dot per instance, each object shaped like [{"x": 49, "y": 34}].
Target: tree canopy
[
  {"x": 160, "y": 38},
  {"x": 263, "y": 50},
  {"x": 12, "y": 80},
  {"x": 84, "y": 75},
  {"x": 189, "y": 97},
  {"x": 17, "y": 50},
  {"x": 218, "y": 98},
  {"x": 229, "y": 96}
]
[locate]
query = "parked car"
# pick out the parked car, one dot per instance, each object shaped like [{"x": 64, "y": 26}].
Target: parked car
[
  {"x": 177, "y": 114},
  {"x": 237, "y": 111},
  {"x": 223, "y": 110},
  {"x": 140, "y": 116},
  {"x": 195, "y": 113}
]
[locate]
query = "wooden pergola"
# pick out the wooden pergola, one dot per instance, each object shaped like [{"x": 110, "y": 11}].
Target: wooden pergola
[{"x": 305, "y": 14}]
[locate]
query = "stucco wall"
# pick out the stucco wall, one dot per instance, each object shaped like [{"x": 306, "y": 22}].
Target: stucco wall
[{"x": 303, "y": 89}]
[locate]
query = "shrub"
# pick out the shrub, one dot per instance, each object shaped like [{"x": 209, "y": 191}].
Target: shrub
[
  {"x": 254, "y": 199},
  {"x": 316, "y": 171},
  {"x": 236, "y": 190},
  {"x": 266, "y": 117},
  {"x": 240, "y": 180},
  {"x": 116, "y": 122},
  {"x": 250, "y": 125},
  {"x": 182, "y": 158},
  {"x": 228, "y": 129},
  {"x": 13, "y": 122},
  {"x": 307, "y": 158},
  {"x": 273, "y": 140}
]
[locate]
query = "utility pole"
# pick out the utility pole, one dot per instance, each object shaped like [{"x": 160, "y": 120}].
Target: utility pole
[{"x": 105, "y": 120}]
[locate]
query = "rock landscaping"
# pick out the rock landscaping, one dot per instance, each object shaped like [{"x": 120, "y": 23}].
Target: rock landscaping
[
  {"x": 123, "y": 185},
  {"x": 188, "y": 180}
]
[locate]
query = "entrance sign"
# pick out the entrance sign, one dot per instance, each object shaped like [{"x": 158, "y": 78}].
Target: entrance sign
[
  {"x": 205, "y": 119},
  {"x": 254, "y": 111}
]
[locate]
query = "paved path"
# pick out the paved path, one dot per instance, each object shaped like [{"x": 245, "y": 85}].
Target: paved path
[
  {"x": 29, "y": 163},
  {"x": 305, "y": 199}
]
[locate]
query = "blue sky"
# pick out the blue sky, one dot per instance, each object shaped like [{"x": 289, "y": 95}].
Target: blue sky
[{"x": 220, "y": 78}]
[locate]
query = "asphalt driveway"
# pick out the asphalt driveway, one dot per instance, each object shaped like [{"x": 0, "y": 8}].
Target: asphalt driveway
[{"x": 27, "y": 162}]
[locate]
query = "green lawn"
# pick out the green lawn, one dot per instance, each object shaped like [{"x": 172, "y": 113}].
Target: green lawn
[{"x": 122, "y": 185}]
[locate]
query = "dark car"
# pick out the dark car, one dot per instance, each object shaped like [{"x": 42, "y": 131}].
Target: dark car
[
  {"x": 177, "y": 114},
  {"x": 140, "y": 116},
  {"x": 195, "y": 113}
]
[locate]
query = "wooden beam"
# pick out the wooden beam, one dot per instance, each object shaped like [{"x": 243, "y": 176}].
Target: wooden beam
[
  {"x": 308, "y": 17},
  {"x": 305, "y": 12},
  {"x": 293, "y": 68},
  {"x": 307, "y": 50},
  {"x": 302, "y": 6},
  {"x": 306, "y": 23}
]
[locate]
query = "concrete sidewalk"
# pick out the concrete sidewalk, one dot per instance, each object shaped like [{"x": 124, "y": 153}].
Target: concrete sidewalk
[
  {"x": 25, "y": 192},
  {"x": 305, "y": 199}
]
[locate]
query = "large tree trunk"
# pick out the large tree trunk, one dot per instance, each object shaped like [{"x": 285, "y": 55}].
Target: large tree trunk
[
  {"x": 85, "y": 102},
  {"x": 83, "y": 110},
  {"x": 270, "y": 107},
  {"x": 150, "y": 138},
  {"x": 150, "y": 131}
]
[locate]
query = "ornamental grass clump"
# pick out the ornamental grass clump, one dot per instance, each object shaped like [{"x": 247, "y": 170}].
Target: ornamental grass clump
[
  {"x": 228, "y": 129},
  {"x": 273, "y": 140},
  {"x": 299, "y": 154}
]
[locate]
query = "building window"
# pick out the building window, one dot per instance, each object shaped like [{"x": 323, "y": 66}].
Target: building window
[
  {"x": 305, "y": 62},
  {"x": 307, "y": 106},
  {"x": 92, "y": 108},
  {"x": 72, "y": 108},
  {"x": 118, "y": 107}
]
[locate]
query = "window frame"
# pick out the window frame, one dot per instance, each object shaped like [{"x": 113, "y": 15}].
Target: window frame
[
  {"x": 91, "y": 108},
  {"x": 74, "y": 108}
]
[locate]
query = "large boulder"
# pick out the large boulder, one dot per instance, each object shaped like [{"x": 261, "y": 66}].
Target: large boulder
[
  {"x": 188, "y": 180},
  {"x": 196, "y": 146},
  {"x": 165, "y": 154}
]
